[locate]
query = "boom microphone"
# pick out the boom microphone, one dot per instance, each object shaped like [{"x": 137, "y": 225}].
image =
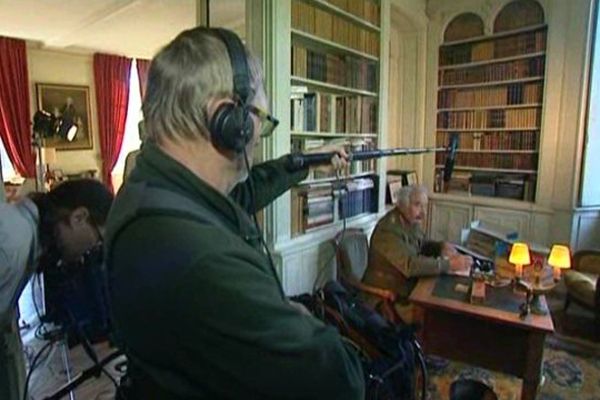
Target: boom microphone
[
  {"x": 451, "y": 157},
  {"x": 297, "y": 161}
]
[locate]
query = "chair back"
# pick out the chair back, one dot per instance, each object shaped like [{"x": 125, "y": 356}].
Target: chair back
[
  {"x": 352, "y": 254},
  {"x": 587, "y": 261}
]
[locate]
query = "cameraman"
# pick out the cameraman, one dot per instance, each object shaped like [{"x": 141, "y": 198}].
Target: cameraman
[
  {"x": 68, "y": 221},
  {"x": 197, "y": 303}
]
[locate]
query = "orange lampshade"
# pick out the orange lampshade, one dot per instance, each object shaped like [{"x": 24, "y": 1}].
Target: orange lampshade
[
  {"x": 560, "y": 257},
  {"x": 519, "y": 254},
  {"x": 48, "y": 155}
]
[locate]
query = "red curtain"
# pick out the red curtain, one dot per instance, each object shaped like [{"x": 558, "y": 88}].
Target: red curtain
[
  {"x": 142, "y": 68},
  {"x": 111, "y": 76},
  {"x": 15, "y": 126}
]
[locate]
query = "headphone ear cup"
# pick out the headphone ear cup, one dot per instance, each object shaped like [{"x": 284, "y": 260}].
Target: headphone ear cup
[{"x": 231, "y": 127}]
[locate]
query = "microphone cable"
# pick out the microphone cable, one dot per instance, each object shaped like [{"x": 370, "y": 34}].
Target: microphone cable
[{"x": 257, "y": 225}]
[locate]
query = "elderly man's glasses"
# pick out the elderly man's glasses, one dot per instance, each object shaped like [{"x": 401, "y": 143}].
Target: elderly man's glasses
[{"x": 268, "y": 123}]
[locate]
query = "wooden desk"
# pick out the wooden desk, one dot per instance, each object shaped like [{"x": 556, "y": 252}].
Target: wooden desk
[{"x": 482, "y": 336}]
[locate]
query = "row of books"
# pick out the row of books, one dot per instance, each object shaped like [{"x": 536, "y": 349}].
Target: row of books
[
  {"x": 325, "y": 112},
  {"x": 515, "y": 93},
  {"x": 311, "y": 207},
  {"x": 522, "y": 161},
  {"x": 496, "y": 118},
  {"x": 518, "y": 44},
  {"x": 519, "y": 69},
  {"x": 360, "y": 197},
  {"x": 314, "y": 206},
  {"x": 323, "y": 24},
  {"x": 301, "y": 145},
  {"x": 349, "y": 71},
  {"x": 505, "y": 140}
]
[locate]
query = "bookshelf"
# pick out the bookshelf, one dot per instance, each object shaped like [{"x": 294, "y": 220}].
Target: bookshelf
[
  {"x": 491, "y": 93},
  {"x": 334, "y": 99}
]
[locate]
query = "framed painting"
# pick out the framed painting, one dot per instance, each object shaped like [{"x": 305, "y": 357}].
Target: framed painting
[{"x": 70, "y": 105}]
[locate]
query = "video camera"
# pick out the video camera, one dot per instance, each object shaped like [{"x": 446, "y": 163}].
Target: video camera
[{"x": 75, "y": 296}]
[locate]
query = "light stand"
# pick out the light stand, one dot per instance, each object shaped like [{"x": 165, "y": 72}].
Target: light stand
[
  {"x": 44, "y": 125},
  {"x": 37, "y": 144}
]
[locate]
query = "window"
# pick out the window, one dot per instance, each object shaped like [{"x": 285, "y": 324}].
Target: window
[
  {"x": 8, "y": 172},
  {"x": 131, "y": 139},
  {"x": 590, "y": 180}
]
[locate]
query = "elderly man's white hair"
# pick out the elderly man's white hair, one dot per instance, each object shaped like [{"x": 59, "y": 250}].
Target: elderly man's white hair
[{"x": 404, "y": 194}]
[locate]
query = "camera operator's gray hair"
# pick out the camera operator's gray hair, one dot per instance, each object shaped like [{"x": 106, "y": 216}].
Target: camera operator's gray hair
[
  {"x": 183, "y": 77},
  {"x": 404, "y": 194}
]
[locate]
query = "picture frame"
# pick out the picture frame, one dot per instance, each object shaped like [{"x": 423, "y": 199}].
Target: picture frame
[
  {"x": 70, "y": 104},
  {"x": 394, "y": 187}
]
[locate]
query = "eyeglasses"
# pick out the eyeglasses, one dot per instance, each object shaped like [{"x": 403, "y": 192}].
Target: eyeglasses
[{"x": 268, "y": 123}]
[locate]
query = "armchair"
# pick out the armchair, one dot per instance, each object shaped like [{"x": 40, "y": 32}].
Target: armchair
[
  {"x": 583, "y": 282},
  {"x": 352, "y": 252}
]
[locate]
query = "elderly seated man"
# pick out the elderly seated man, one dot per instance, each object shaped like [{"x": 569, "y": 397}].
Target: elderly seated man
[{"x": 399, "y": 254}]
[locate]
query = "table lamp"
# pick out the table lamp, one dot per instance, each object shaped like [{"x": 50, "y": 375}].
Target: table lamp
[
  {"x": 519, "y": 256},
  {"x": 560, "y": 258}
]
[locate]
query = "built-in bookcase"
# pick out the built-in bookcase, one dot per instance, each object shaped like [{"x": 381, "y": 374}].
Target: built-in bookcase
[
  {"x": 491, "y": 93},
  {"x": 335, "y": 69}
]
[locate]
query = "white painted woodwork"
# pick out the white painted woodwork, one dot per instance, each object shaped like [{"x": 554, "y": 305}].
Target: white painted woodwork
[{"x": 448, "y": 219}]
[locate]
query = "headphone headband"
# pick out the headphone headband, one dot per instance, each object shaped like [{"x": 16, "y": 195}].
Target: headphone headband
[
  {"x": 239, "y": 64},
  {"x": 231, "y": 126}
]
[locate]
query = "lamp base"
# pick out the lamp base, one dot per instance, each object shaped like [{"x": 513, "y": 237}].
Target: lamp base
[{"x": 537, "y": 306}]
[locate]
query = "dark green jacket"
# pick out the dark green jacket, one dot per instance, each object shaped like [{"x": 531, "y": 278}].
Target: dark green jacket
[{"x": 198, "y": 307}]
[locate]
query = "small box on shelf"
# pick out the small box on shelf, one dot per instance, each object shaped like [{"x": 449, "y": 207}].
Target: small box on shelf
[{"x": 483, "y": 184}]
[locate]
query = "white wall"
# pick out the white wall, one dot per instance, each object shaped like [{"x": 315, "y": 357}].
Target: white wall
[
  {"x": 46, "y": 66},
  {"x": 406, "y": 93}
]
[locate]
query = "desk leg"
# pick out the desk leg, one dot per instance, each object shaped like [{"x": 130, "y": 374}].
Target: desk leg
[{"x": 533, "y": 366}]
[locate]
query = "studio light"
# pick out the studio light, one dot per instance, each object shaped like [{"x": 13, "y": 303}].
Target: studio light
[
  {"x": 45, "y": 124},
  {"x": 67, "y": 129}
]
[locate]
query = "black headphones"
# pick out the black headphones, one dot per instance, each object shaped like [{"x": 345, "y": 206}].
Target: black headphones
[{"x": 231, "y": 126}]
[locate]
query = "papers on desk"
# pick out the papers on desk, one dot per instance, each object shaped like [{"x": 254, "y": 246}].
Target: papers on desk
[
  {"x": 464, "y": 250},
  {"x": 465, "y": 273}
]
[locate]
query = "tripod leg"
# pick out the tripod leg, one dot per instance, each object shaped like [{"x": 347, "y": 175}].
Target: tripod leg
[{"x": 67, "y": 365}]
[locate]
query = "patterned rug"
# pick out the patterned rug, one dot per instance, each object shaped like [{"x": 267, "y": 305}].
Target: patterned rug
[{"x": 571, "y": 371}]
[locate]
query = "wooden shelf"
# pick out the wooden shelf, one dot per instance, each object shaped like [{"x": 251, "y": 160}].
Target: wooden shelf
[
  {"x": 503, "y": 170},
  {"x": 501, "y": 107},
  {"x": 331, "y": 87},
  {"x": 337, "y": 48},
  {"x": 333, "y": 135},
  {"x": 498, "y": 56},
  {"x": 492, "y": 61},
  {"x": 485, "y": 130},
  {"x": 323, "y": 5},
  {"x": 492, "y": 83},
  {"x": 494, "y": 36},
  {"x": 491, "y": 151},
  {"x": 333, "y": 179},
  {"x": 345, "y": 50}
]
